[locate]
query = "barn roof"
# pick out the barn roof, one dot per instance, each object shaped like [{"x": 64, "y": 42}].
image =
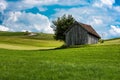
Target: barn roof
[{"x": 88, "y": 28}]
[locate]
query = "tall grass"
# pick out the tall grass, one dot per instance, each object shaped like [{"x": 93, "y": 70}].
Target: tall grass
[
  {"x": 96, "y": 62},
  {"x": 86, "y": 62}
]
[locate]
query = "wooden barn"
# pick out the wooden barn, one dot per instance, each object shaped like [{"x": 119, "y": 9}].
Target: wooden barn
[{"x": 80, "y": 33}]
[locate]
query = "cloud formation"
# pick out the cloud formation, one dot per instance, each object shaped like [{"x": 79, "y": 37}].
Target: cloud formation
[
  {"x": 115, "y": 30},
  {"x": 19, "y": 21},
  {"x": 100, "y": 14},
  {"x": 3, "y": 5},
  {"x": 27, "y": 4},
  {"x": 3, "y": 28},
  {"x": 72, "y": 2},
  {"x": 15, "y": 20},
  {"x": 108, "y": 2},
  {"x": 36, "y": 15}
]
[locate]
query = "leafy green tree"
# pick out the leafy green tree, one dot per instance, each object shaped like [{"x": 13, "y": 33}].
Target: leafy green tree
[{"x": 61, "y": 25}]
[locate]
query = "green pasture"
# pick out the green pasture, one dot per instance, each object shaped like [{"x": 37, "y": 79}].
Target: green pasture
[
  {"x": 86, "y": 62},
  {"x": 19, "y": 41}
]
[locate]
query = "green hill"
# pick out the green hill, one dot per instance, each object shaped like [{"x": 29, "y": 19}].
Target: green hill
[
  {"x": 85, "y": 62},
  {"x": 21, "y": 41},
  {"x": 39, "y": 36},
  {"x": 4, "y": 33}
]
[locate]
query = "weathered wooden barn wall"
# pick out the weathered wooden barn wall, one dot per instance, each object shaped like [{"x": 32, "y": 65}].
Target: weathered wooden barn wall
[
  {"x": 92, "y": 39},
  {"x": 76, "y": 35},
  {"x": 80, "y": 33}
]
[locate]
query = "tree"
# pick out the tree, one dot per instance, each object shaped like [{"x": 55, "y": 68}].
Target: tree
[{"x": 61, "y": 25}]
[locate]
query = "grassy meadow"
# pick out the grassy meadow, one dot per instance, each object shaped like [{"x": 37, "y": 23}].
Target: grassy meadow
[
  {"x": 20, "y": 41},
  {"x": 86, "y": 62}
]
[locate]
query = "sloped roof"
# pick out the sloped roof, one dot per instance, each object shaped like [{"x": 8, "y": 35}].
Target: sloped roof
[{"x": 88, "y": 28}]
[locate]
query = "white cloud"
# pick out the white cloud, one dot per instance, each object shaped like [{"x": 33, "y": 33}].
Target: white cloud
[
  {"x": 18, "y": 21},
  {"x": 117, "y": 8},
  {"x": 108, "y": 2},
  {"x": 103, "y": 3},
  {"x": 72, "y": 2},
  {"x": 98, "y": 4},
  {"x": 59, "y": 2},
  {"x": 34, "y": 2},
  {"x": 94, "y": 16},
  {"x": 3, "y": 5},
  {"x": 115, "y": 30},
  {"x": 96, "y": 21},
  {"x": 27, "y": 4},
  {"x": 3, "y": 28},
  {"x": 24, "y": 4}
]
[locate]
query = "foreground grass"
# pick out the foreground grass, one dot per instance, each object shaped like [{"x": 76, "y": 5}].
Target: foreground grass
[{"x": 86, "y": 63}]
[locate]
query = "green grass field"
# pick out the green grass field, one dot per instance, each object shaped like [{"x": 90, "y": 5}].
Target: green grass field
[
  {"x": 87, "y": 62},
  {"x": 19, "y": 41}
]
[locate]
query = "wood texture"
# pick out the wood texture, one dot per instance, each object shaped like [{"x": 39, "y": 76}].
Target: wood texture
[{"x": 78, "y": 35}]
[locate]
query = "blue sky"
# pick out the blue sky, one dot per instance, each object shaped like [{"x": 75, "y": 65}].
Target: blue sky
[{"x": 37, "y": 15}]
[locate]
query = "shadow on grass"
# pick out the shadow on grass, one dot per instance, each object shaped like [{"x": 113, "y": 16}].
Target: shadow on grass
[
  {"x": 60, "y": 48},
  {"x": 66, "y": 47},
  {"x": 57, "y": 48}
]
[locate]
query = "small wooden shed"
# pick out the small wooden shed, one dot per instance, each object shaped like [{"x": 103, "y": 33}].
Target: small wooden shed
[{"x": 80, "y": 33}]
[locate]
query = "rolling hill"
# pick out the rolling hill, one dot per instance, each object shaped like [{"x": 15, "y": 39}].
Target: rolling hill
[
  {"x": 21, "y": 41},
  {"x": 82, "y": 62}
]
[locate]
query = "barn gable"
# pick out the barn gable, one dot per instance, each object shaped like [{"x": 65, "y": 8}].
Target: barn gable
[
  {"x": 80, "y": 33},
  {"x": 89, "y": 29}
]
